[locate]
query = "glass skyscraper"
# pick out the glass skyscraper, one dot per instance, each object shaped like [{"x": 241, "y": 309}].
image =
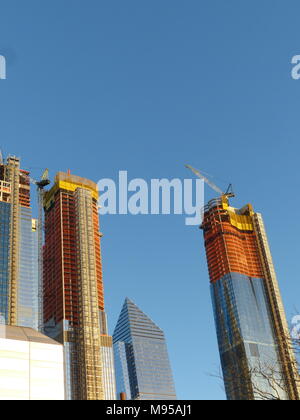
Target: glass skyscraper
[
  {"x": 252, "y": 331},
  {"x": 143, "y": 370},
  {"x": 18, "y": 248}
]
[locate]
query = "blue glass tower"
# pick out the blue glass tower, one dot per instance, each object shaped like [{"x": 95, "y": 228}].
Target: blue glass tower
[
  {"x": 18, "y": 248},
  {"x": 253, "y": 336},
  {"x": 4, "y": 256},
  {"x": 143, "y": 370},
  {"x": 28, "y": 300}
]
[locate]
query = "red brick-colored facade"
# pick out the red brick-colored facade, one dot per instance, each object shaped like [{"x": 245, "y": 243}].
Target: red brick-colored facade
[
  {"x": 24, "y": 191},
  {"x": 60, "y": 259},
  {"x": 229, "y": 249},
  {"x": 24, "y": 186}
]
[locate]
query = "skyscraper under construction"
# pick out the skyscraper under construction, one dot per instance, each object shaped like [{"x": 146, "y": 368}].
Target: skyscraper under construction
[
  {"x": 19, "y": 304},
  {"x": 255, "y": 349},
  {"x": 73, "y": 289}
]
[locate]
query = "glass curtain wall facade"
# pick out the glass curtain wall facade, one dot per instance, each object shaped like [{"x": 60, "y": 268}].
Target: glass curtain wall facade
[
  {"x": 28, "y": 305},
  {"x": 142, "y": 365},
  {"x": 253, "y": 336},
  {"x": 18, "y": 263},
  {"x": 74, "y": 311},
  {"x": 4, "y": 256}
]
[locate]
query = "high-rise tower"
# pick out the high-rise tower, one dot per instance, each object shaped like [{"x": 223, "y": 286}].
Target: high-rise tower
[
  {"x": 18, "y": 265},
  {"x": 143, "y": 370},
  {"x": 73, "y": 288},
  {"x": 253, "y": 335}
]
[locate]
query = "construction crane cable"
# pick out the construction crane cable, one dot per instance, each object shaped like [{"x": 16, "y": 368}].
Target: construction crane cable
[
  {"x": 229, "y": 192},
  {"x": 201, "y": 176}
]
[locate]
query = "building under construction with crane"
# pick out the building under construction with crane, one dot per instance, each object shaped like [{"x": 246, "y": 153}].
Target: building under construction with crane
[
  {"x": 74, "y": 311},
  {"x": 256, "y": 353},
  {"x": 19, "y": 305},
  {"x": 52, "y": 281}
]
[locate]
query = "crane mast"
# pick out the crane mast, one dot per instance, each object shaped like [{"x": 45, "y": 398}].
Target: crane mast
[
  {"x": 41, "y": 192},
  {"x": 41, "y": 184}
]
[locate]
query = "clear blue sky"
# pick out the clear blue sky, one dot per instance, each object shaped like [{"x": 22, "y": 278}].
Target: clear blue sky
[{"x": 147, "y": 86}]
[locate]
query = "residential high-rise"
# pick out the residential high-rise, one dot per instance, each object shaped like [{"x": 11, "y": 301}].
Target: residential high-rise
[
  {"x": 253, "y": 335},
  {"x": 143, "y": 370},
  {"x": 18, "y": 265},
  {"x": 73, "y": 289}
]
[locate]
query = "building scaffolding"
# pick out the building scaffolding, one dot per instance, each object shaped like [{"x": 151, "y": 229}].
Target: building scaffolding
[{"x": 12, "y": 176}]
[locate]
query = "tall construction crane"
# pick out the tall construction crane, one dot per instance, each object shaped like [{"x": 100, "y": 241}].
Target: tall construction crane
[
  {"x": 41, "y": 184},
  {"x": 229, "y": 192}
]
